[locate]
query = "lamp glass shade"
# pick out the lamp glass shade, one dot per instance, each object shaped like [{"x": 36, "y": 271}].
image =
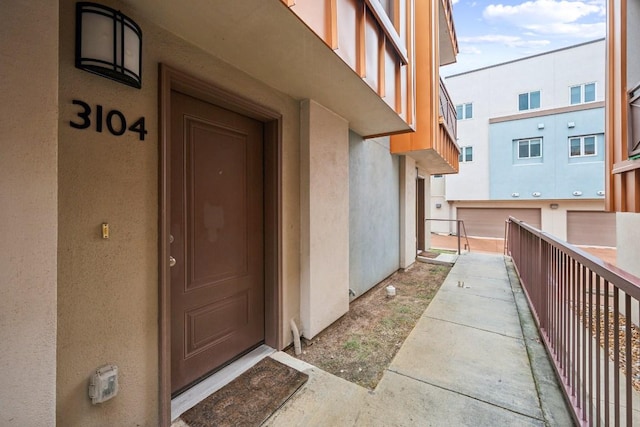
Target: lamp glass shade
[{"x": 108, "y": 43}]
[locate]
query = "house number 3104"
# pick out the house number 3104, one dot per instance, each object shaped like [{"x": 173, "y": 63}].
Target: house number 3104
[{"x": 114, "y": 120}]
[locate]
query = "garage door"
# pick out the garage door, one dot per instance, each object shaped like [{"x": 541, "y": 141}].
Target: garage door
[
  {"x": 593, "y": 228},
  {"x": 489, "y": 222}
]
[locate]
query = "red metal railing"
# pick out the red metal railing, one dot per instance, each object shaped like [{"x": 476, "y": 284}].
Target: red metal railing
[
  {"x": 461, "y": 232},
  {"x": 587, "y": 312}
]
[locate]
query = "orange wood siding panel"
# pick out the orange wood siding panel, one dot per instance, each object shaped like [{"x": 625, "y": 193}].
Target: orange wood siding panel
[
  {"x": 431, "y": 128},
  {"x": 623, "y": 186}
]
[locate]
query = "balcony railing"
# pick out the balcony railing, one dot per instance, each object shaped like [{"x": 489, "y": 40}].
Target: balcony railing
[
  {"x": 448, "y": 112},
  {"x": 587, "y": 312}
]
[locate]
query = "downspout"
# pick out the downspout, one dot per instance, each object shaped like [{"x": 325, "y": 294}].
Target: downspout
[{"x": 296, "y": 338}]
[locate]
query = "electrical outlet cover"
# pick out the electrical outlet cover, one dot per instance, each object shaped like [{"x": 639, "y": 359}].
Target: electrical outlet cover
[{"x": 103, "y": 384}]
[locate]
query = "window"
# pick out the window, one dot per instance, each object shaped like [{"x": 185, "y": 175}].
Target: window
[
  {"x": 583, "y": 93},
  {"x": 529, "y": 148},
  {"x": 464, "y": 111},
  {"x": 466, "y": 154},
  {"x": 580, "y": 146},
  {"x": 529, "y": 101}
]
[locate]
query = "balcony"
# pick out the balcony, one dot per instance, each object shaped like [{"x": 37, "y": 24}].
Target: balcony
[
  {"x": 372, "y": 41},
  {"x": 447, "y": 33},
  {"x": 433, "y": 145},
  {"x": 448, "y": 128},
  {"x": 348, "y": 55}
]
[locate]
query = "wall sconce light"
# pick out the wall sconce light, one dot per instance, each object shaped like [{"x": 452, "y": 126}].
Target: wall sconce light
[
  {"x": 600, "y": 193},
  {"x": 536, "y": 194},
  {"x": 571, "y": 124},
  {"x": 577, "y": 193},
  {"x": 108, "y": 43},
  {"x": 515, "y": 194},
  {"x": 540, "y": 125},
  {"x": 553, "y": 206}
]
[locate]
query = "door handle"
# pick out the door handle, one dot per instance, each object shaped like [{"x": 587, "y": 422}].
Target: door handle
[{"x": 172, "y": 261}]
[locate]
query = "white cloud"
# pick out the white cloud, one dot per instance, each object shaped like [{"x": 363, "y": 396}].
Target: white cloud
[
  {"x": 509, "y": 41},
  {"x": 553, "y": 17},
  {"x": 470, "y": 50},
  {"x": 588, "y": 31}
]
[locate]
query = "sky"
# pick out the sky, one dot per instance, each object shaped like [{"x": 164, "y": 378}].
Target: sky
[{"x": 495, "y": 31}]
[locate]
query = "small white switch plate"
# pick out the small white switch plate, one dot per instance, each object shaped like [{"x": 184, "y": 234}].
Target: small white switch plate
[{"x": 103, "y": 384}]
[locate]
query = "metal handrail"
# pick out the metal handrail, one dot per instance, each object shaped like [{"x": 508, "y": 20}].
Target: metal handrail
[
  {"x": 458, "y": 222},
  {"x": 580, "y": 304}
]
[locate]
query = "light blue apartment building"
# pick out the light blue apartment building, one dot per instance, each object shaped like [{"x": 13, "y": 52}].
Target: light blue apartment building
[{"x": 551, "y": 157}]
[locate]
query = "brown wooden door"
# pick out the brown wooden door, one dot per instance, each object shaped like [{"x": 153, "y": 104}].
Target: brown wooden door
[{"x": 217, "y": 281}]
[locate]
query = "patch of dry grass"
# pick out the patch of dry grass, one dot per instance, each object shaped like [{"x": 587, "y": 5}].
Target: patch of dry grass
[{"x": 360, "y": 345}]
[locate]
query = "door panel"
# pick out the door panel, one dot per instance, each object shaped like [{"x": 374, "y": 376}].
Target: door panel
[
  {"x": 592, "y": 228},
  {"x": 489, "y": 222},
  {"x": 217, "y": 282}
]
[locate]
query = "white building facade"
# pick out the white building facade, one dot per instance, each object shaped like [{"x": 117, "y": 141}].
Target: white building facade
[{"x": 531, "y": 134}]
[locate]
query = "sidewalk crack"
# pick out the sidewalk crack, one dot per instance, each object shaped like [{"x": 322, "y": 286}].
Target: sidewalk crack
[
  {"x": 476, "y": 328},
  {"x": 467, "y": 395}
]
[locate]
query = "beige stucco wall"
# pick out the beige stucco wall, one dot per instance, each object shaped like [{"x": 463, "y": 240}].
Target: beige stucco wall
[
  {"x": 627, "y": 238},
  {"x": 28, "y": 211},
  {"x": 108, "y": 289},
  {"x": 324, "y": 211},
  {"x": 407, "y": 211},
  {"x": 443, "y": 212}
]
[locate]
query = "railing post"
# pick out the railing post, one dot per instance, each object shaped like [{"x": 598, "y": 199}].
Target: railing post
[{"x": 458, "y": 234}]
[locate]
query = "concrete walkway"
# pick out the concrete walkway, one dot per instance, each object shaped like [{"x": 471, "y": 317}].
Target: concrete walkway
[{"x": 466, "y": 363}]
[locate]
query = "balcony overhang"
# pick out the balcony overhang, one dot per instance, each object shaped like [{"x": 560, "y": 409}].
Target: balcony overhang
[
  {"x": 264, "y": 39},
  {"x": 447, "y": 33},
  {"x": 431, "y": 161}
]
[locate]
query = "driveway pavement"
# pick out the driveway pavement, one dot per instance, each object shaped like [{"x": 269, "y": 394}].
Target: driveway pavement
[{"x": 496, "y": 246}]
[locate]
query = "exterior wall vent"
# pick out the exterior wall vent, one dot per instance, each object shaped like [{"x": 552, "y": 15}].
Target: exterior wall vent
[{"x": 536, "y": 194}]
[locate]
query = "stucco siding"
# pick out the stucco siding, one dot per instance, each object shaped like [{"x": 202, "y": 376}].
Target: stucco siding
[
  {"x": 374, "y": 212},
  {"x": 627, "y": 238},
  {"x": 324, "y": 217},
  {"x": 28, "y": 211},
  {"x": 108, "y": 289},
  {"x": 555, "y": 175}
]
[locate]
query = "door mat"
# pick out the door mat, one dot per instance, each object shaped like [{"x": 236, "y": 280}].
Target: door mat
[{"x": 249, "y": 399}]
